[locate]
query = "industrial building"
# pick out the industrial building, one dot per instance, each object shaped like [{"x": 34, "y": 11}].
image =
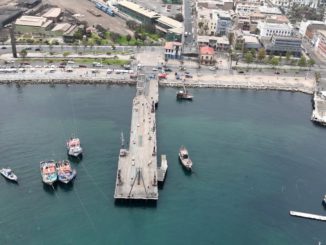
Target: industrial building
[
  {"x": 8, "y": 15},
  {"x": 53, "y": 14},
  {"x": 33, "y": 24}
]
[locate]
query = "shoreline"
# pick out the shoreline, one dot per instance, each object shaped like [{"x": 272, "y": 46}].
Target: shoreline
[{"x": 216, "y": 84}]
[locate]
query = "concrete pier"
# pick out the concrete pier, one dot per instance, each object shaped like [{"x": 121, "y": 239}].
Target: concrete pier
[
  {"x": 319, "y": 112},
  {"x": 137, "y": 166}
]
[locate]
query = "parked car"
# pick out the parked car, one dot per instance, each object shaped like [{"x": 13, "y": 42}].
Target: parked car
[
  {"x": 154, "y": 69},
  {"x": 162, "y": 76},
  {"x": 212, "y": 68},
  {"x": 133, "y": 76},
  {"x": 37, "y": 49},
  {"x": 241, "y": 72},
  {"x": 188, "y": 76},
  {"x": 82, "y": 66},
  {"x": 168, "y": 69},
  {"x": 70, "y": 62},
  {"x": 109, "y": 71},
  {"x": 62, "y": 66},
  {"x": 3, "y": 47}
]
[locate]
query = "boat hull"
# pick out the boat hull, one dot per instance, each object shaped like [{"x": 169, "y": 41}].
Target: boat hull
[
  {"x": 75, "y": 152},
  {"x": 66, "y": 178},
  {"x": 184, "y": 163},
  {"x": 11, "y": 178}
]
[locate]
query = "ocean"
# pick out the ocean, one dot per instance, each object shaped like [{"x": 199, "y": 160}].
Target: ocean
[{"x": 256, "y": 156}]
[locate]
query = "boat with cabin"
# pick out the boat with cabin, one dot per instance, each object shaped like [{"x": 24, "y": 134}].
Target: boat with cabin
[
  {"x": 184, "y": 158},
  {"x": 324, "y": 200},
  {"x": 65, "y": 172},
  {"x": 73, "y": 147},
  {"x": 183, "y": 94},
  {"x": 8, "y": 174},
  {"x": 48, "y": 172}
]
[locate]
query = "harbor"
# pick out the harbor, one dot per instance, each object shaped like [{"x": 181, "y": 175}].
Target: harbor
[{"x": 137, "y": 176}]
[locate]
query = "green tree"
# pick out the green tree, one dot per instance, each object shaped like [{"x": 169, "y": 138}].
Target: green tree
[
  {"x": 311, "y": 62},
  {"x": 128, "y": 38},
  {"x": 65, "y": 54},
  {"x": 206, "y": 28},
  {"x": 274, "y": 61},
  {"x": 23, "y": 53},
  {"x": 302, "y": 62},
  {"x": 288, "y": 56},
  {"x": 261, "y": 54},
  {"x": 200, "y": 25},
  {"x": 249, "y": 57},
  {"x": 179, "y": 17}
]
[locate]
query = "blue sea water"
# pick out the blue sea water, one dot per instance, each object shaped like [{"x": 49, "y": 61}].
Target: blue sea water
[{"x": 256, "y": 156}]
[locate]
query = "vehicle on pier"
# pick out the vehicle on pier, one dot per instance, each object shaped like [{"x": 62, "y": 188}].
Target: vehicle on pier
[
  {"x": 184, "y": 158},
  {"x": 65, "y": 172},
  {"x": 184, "y": 95},
  {"x": 48, "y": 172},
  {"x": 73, "y": 147},
  {"x": 8, "y": 174}
]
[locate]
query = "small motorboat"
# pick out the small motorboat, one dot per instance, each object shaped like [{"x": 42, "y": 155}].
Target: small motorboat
[
  {"x": 73, "y": 147},
  {"x": 65, "y": 172},
  {"x": 184, "y": 158},
  {"x": 184, "y": 95},
  {"x": 324, "y": 200},
  {"x": 48, "y": 172},
  {"x": 8, "y": 174}
]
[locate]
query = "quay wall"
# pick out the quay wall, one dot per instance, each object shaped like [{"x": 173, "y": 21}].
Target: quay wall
[{"x": 210, "y": 84}]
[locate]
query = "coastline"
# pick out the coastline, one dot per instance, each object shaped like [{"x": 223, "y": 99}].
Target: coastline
[{"x": 253, "y": 85}]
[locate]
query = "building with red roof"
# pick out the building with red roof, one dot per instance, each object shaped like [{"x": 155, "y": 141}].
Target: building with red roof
[{"x": 207, "y": 55}]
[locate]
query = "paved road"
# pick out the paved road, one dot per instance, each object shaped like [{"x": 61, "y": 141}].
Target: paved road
[{"x": 188, "y": 39}]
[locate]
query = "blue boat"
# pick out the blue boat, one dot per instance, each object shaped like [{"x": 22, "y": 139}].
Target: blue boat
[
  {"x": 65, "y": 172},
  {"x": 48, "y": 172}
]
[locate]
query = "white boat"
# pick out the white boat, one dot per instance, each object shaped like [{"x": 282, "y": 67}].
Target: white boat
[
  {"x": 73, "y": 147},
  {"x": 324, "y": 200},
  {"x": 8, "y": 174},
  {"x": 184, "y": 158}
]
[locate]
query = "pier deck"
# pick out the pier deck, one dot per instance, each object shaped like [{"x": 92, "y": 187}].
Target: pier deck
[{"x": 137, "y": 166}]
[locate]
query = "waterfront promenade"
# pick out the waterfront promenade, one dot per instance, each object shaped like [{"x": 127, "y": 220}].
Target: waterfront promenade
[{"x": 100, "y": 76}]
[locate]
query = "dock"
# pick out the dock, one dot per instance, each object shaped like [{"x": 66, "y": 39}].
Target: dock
[
  {"x": 319, "y": 112},
  {"x": 308, "y": 216},
  {"x": 137, "y": 166},
  {"x": 161, "y": 171}
]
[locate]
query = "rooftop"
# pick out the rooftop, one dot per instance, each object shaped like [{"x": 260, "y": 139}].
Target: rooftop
[
  {"x": 52, "y": 13},
  {"x": 207, "y": 39},
  {"x": 206, "y": 50},
  {"x": 250, "y": 39},
  {"x": 139, "y": 9},
  {"x": 323, "y": 32},
  {"x": 171, "y": 45},
  {"x": 169, "y": 22},
  {"x": 36, "y": 21},
  {"x": 269, "y": 10},
  {"x": 62, "y": 27}
]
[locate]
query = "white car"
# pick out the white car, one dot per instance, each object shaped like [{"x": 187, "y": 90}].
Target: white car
[
  {"x": 154, "y": 69},
  {"x": 70, "y": 62},
  {"x": 186, "y": 33},
  {"x": 212, "y": 68}
]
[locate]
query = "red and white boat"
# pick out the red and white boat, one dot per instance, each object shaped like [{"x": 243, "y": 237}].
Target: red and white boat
[{"x": 73, "y": 147}]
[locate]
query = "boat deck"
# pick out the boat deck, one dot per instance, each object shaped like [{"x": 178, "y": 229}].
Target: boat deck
[{"x": 137, "y": 170}]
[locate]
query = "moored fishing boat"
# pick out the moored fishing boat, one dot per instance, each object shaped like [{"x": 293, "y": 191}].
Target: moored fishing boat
[
  {"x": 73, "y": 147},
  {"x": 184, "y": 95},
  {"x": 48, "y": 172},
  {"x": 184, "y": 158},
  {"x": 8, "y": 174},
  {"x": 324, "y": 200},
  {"x": 65, "y": 172}
]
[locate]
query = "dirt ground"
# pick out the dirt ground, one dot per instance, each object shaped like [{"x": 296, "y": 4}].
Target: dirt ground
[{"x": 115, "y": 24}]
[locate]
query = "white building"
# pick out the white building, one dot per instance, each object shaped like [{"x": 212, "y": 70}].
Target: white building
[
  {"x": 246, "y": 9},
  {"x": 214, "y": 22},
  {"x": 270, "y": 29},
  {"x": 290, "y": 3},
  {"x": 304, "y": 25}
]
